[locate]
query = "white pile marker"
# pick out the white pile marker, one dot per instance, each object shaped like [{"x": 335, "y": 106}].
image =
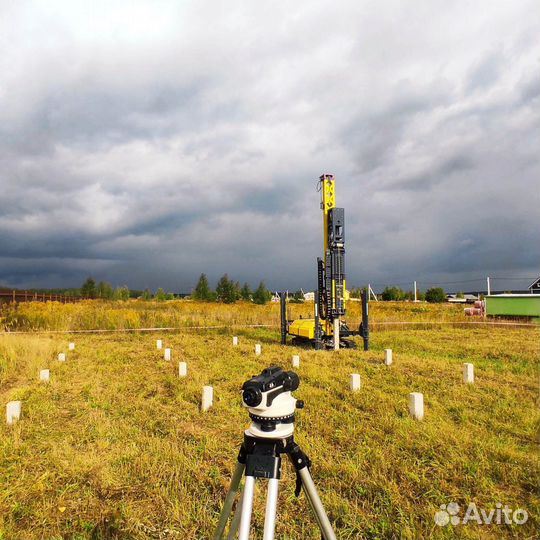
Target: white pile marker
[
  {"x": 159, "y": 344},
  {"x": 167, "y": 354},
  {"x": 388, "y": 357},
  {"x": 71, "y": 346},
  {"x": 182, "y": 369},
  {"x": 416, "y": 405},
  {"x": 13, "y": 412},
  {"x": 258, "y": 349},
  {"x": 355, "y": 382},
  {"x": 44, "y": 375},
  {"x": 468, "y": 373},
  {"x": 235, "y": 341},
  {"x": 296, "y": 360},
  {"x": 207, "y": 398},
  {"x": 62, "y": 357}
]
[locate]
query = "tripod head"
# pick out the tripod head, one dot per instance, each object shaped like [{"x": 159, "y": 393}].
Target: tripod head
[{"x": 271, "y": 406}]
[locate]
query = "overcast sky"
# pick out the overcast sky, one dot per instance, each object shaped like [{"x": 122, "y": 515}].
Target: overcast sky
[{"x": 147, "y": 142}]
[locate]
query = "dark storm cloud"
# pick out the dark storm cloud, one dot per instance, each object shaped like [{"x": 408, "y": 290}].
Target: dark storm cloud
[{"x": 189, "y": 138}]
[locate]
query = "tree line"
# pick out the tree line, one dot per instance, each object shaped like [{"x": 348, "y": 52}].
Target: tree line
[
  {"x": 435, "y": 295},
  {"x": 103, "y": 289},
  {"x": 229, "y": 291}
]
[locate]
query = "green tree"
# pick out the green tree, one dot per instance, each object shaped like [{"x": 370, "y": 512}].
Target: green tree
[
  {"x": 146, "y": 295},
  {"x": 297, "y": 297},
  {"x": 88, "y": 288},
  {"x": 225, "y": 290},
  {"x": 356, "y": 292},
  {"x": 261, "y": 295},
  {"x": 245, "y": 292},
  {"x": 392, "y": 294},
  {"x": 237, "y": 291},
  {"x": 121, "y": 293},
  {"x": 435, "y": 295},
  {"x": 104, "y": 290},
  {"x": 202, "y": 290},
  {"x": 160, "y": 295}
]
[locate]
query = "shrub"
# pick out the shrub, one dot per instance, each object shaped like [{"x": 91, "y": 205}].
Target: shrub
[
  {"x": 393, "y": 293},
  {"x": 297, "y": 297},
  {"x": 121, "y": 293},
  {"x": 104, "y": 290},
  {"x": 146, "y": 295},
  {"x": 435, "y": 295},
  {"x": 160, "y": 295}
]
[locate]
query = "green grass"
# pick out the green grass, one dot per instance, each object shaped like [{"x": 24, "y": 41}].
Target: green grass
[{"x": 115, "y": 446}]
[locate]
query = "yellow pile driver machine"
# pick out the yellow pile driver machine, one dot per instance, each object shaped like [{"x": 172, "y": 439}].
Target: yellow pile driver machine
[{"x": 328, "y": 328}]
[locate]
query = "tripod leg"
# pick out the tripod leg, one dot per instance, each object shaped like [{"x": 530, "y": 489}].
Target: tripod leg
[
  {"x": 233, "y": 529},
  {"x": 229, "y": 500},
  {"x": 318, "y": 508},
  {"x": 247, "y": 506},
  {"x": 271, "y": 505}
]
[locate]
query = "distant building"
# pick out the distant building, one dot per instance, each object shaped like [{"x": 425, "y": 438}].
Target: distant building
[
  {"x": 534, "y": 287},
  {"x": 467, "y": 299},
  {"x": 513, "y": 305},
  {"x": 309, "y": 296}
]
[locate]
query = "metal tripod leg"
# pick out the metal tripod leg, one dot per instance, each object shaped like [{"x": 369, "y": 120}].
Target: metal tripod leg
[
  {"x": 247, "y": 506},
  {"x": 314, "y": 500},
  {"x": 271, "y": 506},
  {"x": 263, "y": 460},
  {"x": 235, "y": 523},
  {"x": 229, "y": 501}
]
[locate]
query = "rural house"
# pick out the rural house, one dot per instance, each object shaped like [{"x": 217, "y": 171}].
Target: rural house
[{"x": 534, "y": 287}]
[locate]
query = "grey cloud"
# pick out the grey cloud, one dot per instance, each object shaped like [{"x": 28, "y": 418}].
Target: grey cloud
[
  {"x": 195, "y": 146},
  {"x": 485, "y": 72},
  {"x": 375, "y": 137},
  {"x": 433, "y": 175}
]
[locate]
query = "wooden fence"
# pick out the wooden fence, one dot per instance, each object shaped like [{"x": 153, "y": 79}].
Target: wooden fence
[{"x": 32, "y": 296}]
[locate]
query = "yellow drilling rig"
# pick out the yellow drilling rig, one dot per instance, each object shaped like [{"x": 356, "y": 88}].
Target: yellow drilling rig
[{"x": 328, "y": 328}]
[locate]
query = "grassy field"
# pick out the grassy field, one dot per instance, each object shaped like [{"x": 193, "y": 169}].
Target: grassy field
[
  {"x": 115, "y": 445},
  {"x": 184, "y": 313}
]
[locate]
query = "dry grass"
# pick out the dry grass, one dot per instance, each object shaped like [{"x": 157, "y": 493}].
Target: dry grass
[
  {"x": 115, "y": 446},
  {"x": 183, "y": 313}
]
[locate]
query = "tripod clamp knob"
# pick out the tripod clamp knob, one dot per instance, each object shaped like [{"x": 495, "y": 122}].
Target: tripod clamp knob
[{"x": 300, "y": 461}]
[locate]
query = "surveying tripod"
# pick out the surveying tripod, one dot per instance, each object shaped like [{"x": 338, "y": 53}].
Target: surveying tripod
[{"x": 261, "y": 458}]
